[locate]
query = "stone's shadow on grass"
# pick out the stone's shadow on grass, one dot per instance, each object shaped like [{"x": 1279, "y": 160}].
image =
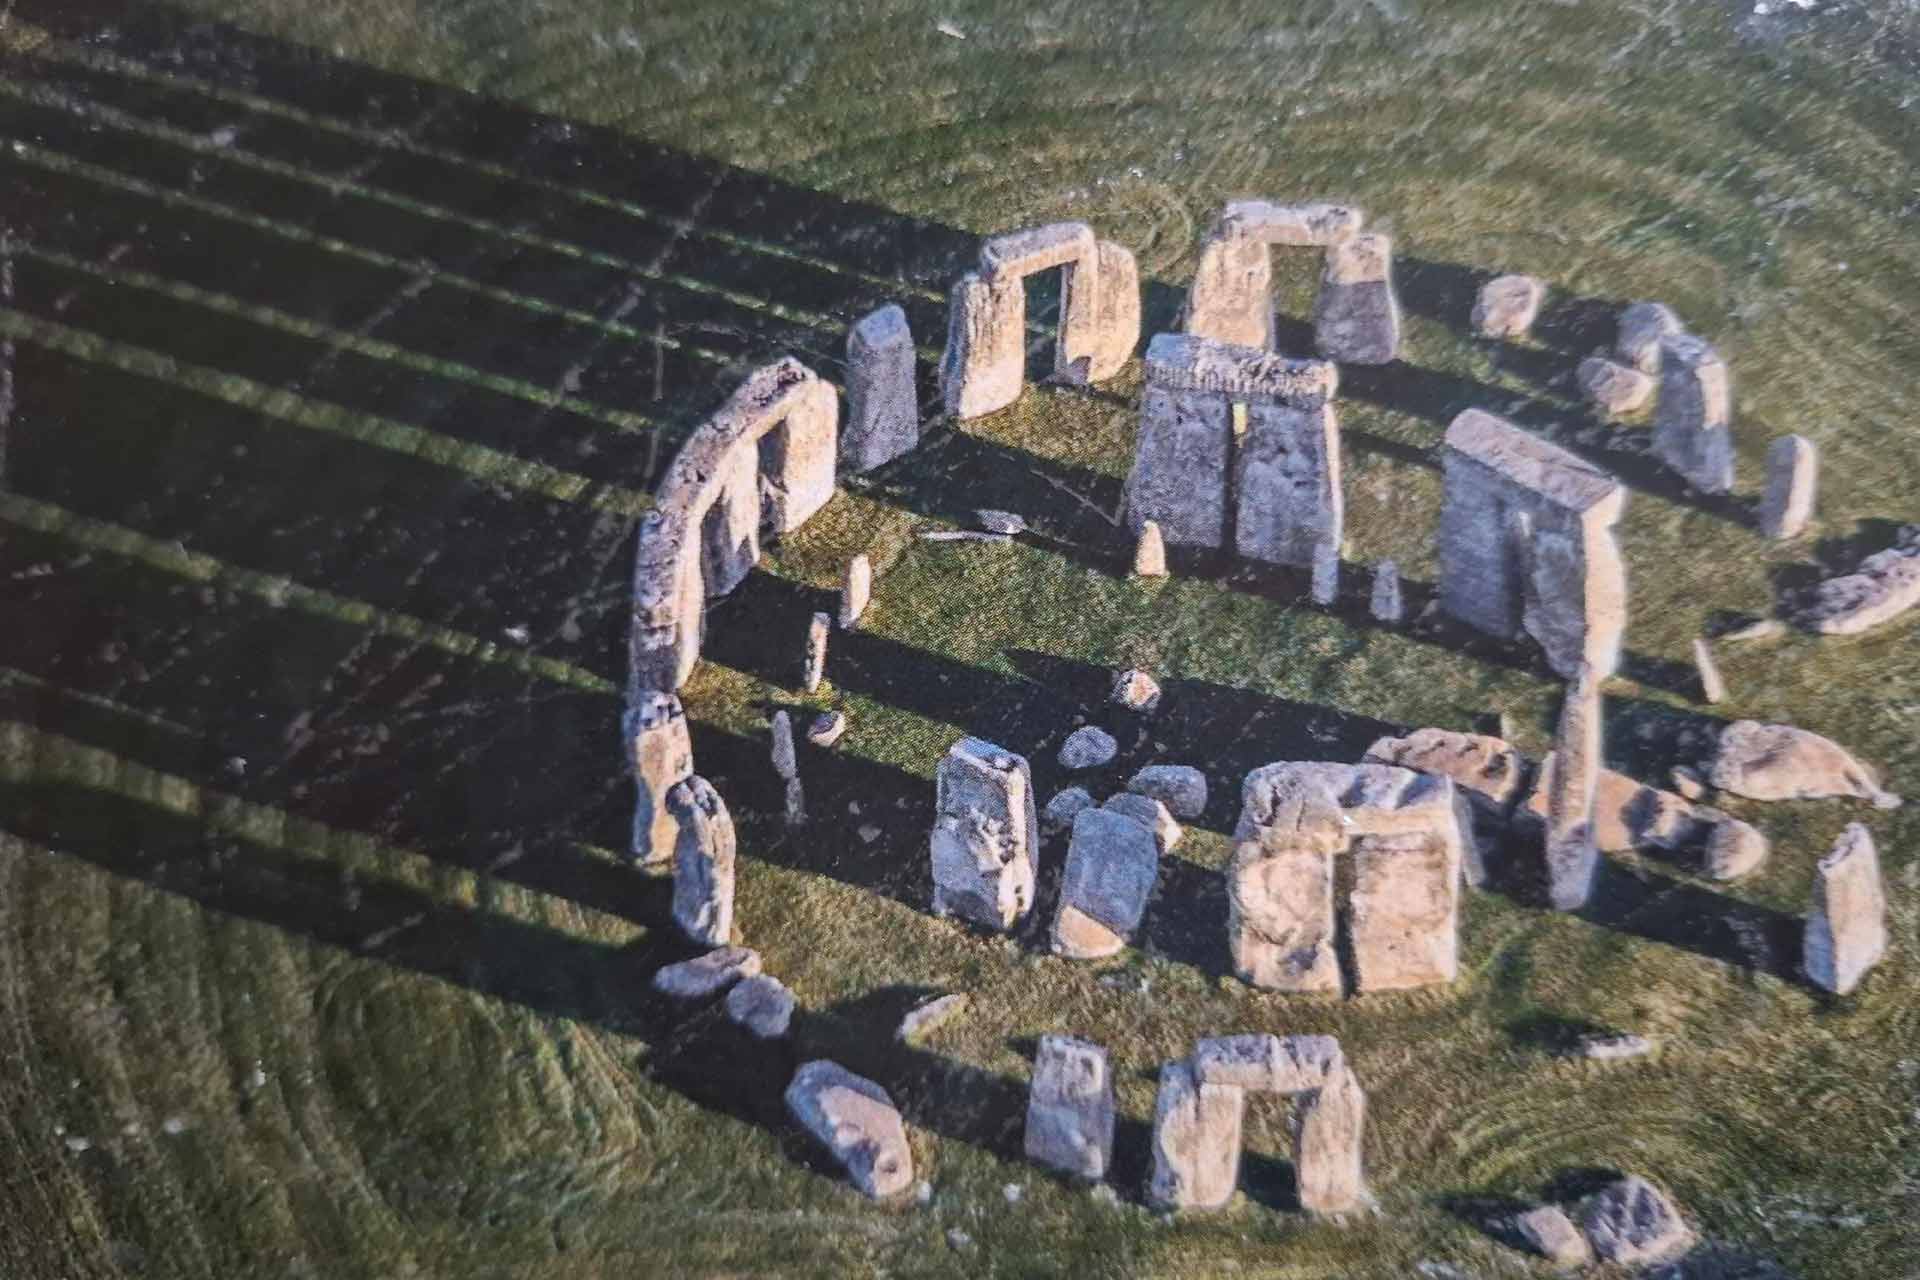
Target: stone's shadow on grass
[
  {"x": 1575, "y": 1183},
  {"x": 1491, "y": 1214},
  {"x": 1663, "y": 909},
  {"x": 1551, "y": 1033},
  {"x": 1647, "y": 740},
  {"x": 1830, "y": 557}
]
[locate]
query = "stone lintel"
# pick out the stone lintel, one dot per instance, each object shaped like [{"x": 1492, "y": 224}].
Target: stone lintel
[
  {"x": 1188, "y": 362},
  {"x": 1559, "y": 477},
  {"x": 1021, "y": 253}
]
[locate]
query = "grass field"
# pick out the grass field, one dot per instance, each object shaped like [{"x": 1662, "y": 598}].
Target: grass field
[{"x": 346, "y": 338}]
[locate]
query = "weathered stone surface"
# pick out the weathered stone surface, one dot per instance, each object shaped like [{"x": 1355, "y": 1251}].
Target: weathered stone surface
[
  {"x": 1070, "y": 1107},
  {"x": 827, "y": 728},
  {"x": 1487, "y": 770},
  {"x": 1642, "y": 327},
  {"x": 1178, "y": 481},
  {"x": 1328, "y": 1130},
  {"x": 1242, "y": 372},
  {"x": 1712, "y": 687},
  {"x": 1793, "y": 475},
  {"x": 856, "y": 591},
  {"x": 855, "y": 1120},
  {"x": 1065, "y": 807},
  {"x": 1405, "y": 909},
  {"x": 780, "y": 749},
  {"x": 1633, "y": 1223},
  {"x": 883, "y": 415},
  {"x": 1280, "y": 922},
  {"x": 1356, "y": 317},
  {"x": 1182, "y": 788},
  {"x": 929, "y": 1016},
  {"x": 1549, "y": 1232},
  {"x": 1087, "y": 747},
  {"x": 730, "y": 531},
  {"x": 1507, "y": 306},
  {"x": 1781, "y": 762},
  {"x": 660, "y": 754},
  {"x": 1846, "y": 931},
  {"x": 1732, "y": 849},
  {"x": 796, "y": 803},
  {"x": 1149, "y": 813},
  {"x": 1612, "y": 387},
  {"x": 1021, "y": 253},
  {"x": 762, "y": 1005},
  {"x": 1135, "y": 690},
  {"x": 1307, "y": 225},
  {"x": 1113, "y": 862},
  {"x": 1196, "y": 1141},
  {"x": 702, "y": 863},
  {"x": 1287, "y": 483},
  {"x": 1268, "y": 1063},
  {"x": 1150, "y": 552},
  {"x": 1071, "y": 246},
  {"x": 1007, "y": 522},
  {"x": 1386, "y": 603},
  {"x": 707, "y": 975},
  {"x": 1886, "y": 585},
  {"x": 1116, "y": 325},
  {"x": 1691, "y": 426},
  {"x": 1231, "y": 296},
  {"x": 814, "y": 665},
  {"x": 985, "y": 363},
  {"x": 1325, "y": 586},
  {"x": 1572, "y": 855},
  {"x": 985, "y": 835}
]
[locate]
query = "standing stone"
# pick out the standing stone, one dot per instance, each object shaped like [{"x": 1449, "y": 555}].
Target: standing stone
[
  {"x": 1793, "y": 473},
  {"x": 857, "y": 1122},
  {"x": 1507, "y": 306},
  {"x": 1782, "y": 762},
  {"x": 660, "y": 754},
  {"x": 1185, "y": 444},
  {"x": 1405, "y": 911},
  {"x": 1280, "y": 921},
  {"x": 1289, "y": 499},
  {"x": 1070, "y": 246},
  {"x": 1691, "y": 431},
  {"x": 1150, "y": 552},
  {"x": 985, "y": 363},
  {"x": 762, "y": 1005},
  {"x": 815, "y": 664},
  {"x": 1572, "y": 856},
  {"x": 1070, "y": 1107},
  {"x": 1087, "y": 747},
  {"x": 1113, "y": 863},
  {"x": 1632, "y": 1223},
  {"x": 1846, "y": 931},
  {"x": 730, "y": 531},
  {"x": 1326, "y": 574},
  {"x": 1181, "y": 787},
  {"x": 1149, "y": 813},
  {"x": 827, "y": 728},
  {"x": 856, "y": 589},
  {"x": 1386, "y": 603},
  {"x": 1116, "y": 326},
  {"x": 781, "y": 735},
  {"x": 883, "y": 415},
  {"x": 1196, "y": 1141},
  {"x": 985, "y": 835},
  {"x": 1712, "y": 687},
  {"x": 702, "y": 863},
  {"x": 1356, "y": 318},
  {"x": 1327, "y": 1138},
  {"x": 1642, "y": 326},
  {"x": 1612, "y": 387}
]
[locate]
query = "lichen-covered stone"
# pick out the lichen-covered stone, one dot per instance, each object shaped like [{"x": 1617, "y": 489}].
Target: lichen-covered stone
[
  {"x": 1328, "y": 1157},
  {"x": 762, "y": 1005},
  {"x": 1181, "y": 787},
  {"x": 1405, "y": 908},
  {"x": 1633, "y": 1223},
  {"x": 985, "y": 835},
  {"x": 1793, "y": 475},
  {"x": 814, "y": 664},
  {"x": 1196, "y": 1141},
  {"x": 703, "y": 860},
  {"x": 1070, "y": 1107},
  {"x": 857, "y": 1122},
  {"x": 1712, "y": 687},
  {"x": 707, "y": 975},
  {"x": 1691, "y": 428},
  {"x": 1782, "y": 762},
  {"x": 1642, "y": 326},
  {"x": 1846, "y": 932},
  {"x": 1087, "y": 747},
  {"x": 1612, "y": 387},
  {"x": 660, "y": 753},
  {"x": 1150, "y": 552},
  {"x": 1356, "y": 316},
  {"x": 1572, "y": 854},
  {"x": 1113, "y": 863},
  {"x": 1507, "y": 306},
  {"x": 1149, "y": 813},
  {"x": 1386, "y": 603},
  {"x": 1289, "y": 501},
  {"x": 883, "y": 413},
  {"x": 985, "y": 363}
]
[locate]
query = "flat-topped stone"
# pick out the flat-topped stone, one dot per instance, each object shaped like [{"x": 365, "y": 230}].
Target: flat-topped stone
[
  {"x": 1783, "y": 762},
  {"x": 1181, "y": 787},
  {"x": 1356, "y": 314},
  {"x": 1316, "y": 223},
  {"x": 1557, "y": 476},
  {"x": 1489, "y": 771},
  {"x": 1268, "y": 1063},
  {"x": 1189, "y": 362}
]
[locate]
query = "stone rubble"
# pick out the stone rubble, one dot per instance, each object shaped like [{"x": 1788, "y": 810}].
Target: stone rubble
[
  {"x": 1065, "y": 807},
  {"x": 1087, "y": 747},
  {"x": 827, "y": 728},
  {"x": 883, "y": 411},
  {"x": 1149, "y": 813},
  {"x": 1070, "y": 1107},
  {"x": 1113, "y": 863},
  {"x": 1612, "y": 387},
  {"x": 762, "y": 1006},
  {"x": 1633, "y": 1223},
  {"x": 814, "y": 667},
  {"x": 856, "y": 592},
  {"x": 857, "y": 1122},
  {"x": 1885, "y": 585},
  {"x": 985, "y": 835},
  {"x": 1782, "y": 762},
  {"x": 1182, "y": 788},
  {"x": 707, "y": 975},
  {"x": 1642, "y": 327},
  {"x": 1135, "y": 690},
  {"x": 1793, "y": 476},
  {"x": 1691, "y": 426},
  {"x": 1386, "y": 603},
  {"x": 1507, "y": 306},
  {"x": 1846, "y": 931},
  {"x": 1614, "y": 1048},
  {"x": 1150, "y": 552},
  {"x": 703, "y": 859}
]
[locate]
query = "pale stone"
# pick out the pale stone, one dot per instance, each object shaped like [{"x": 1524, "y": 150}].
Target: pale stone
[
  {"x": 1627, "y": 814},
  {"x": 1268, "y": 1063},
  {"x": 1405, "y": 909},
  {"x": 1687, "y": 782},
  {"x": 1196, "y": 1141},
  {"x": 1280, "y": 905},
  {"x": 964, "y": 535},
  {"x": 1356, "y": 317},
  {"x": 985, "y": 835},
  {"x": 707, "y": 975},
  {"x": 1488, "y": 770},
  {"x": 1793, "y": 475},
  {"x": 1150, "y": 552},
  {"x": 1549, "y": 1232},
  {"x": 660, "y": 753},
  {"x": 985, "y": 363},
  {"x": 1612, "y": 387},
  {"x": 796, "y": 803},
  {"x": 1781, "y": 762},
  {"x": 1303, "y": 225},
  {"x": 1328, "y": 1129},
  {"x": 857, "y": 1122},
  {"x": 1007, "y": 522},
  {"x": 730, "y": 532},
  {"x": 1113, "y": 862},
  {"x": 703, "y": 860},
  {"x": 1386, "y": 603},
  {"x": 1231, "y": 296},
  {"x": 883, "y": 412},
  {"x": 762, "y": 1005},
  {"x": 1289, "y": 503},
  {"x": 1758, "y": 629},
  {"x": 1733, "y": 849},
  {"x": 1507, "y": 306},
  {"x": 1642, "y": 326},
  {"x": 1116, "y": 325},
  {"x": 1846, "y": 932},
  {"x": 1712, "y": 688},
  {"x": 780, "y": 735},
  {"x": 1325, "y": 586},
  {"x": 1633, "y": 1223},
  {"x": 1691, "y": 431},
  {"x": 1149, "y": 813},
  {"x": 814, "y": 667},
  {"x": 827, "y": 728},
  {"x": 1135, "y": 690},
  {"x": 856, "y": 590},
  {"x": 1182, "y": 788},
  {"x": 1885, "y": 585},
  {"x": 1070, "y": 246},
  {"x": 1065, "y": 807},
  {"x": 929, "y": 1016},
  {"x": 1614, "y": 1048},
  {"x": 1572, "y": 855},
  {"x": 1070, "y": 1107},
  {"x": 1087, "y": 747}
]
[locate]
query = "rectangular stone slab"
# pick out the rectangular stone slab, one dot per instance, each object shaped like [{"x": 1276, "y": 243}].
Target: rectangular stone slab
[{"x": 984, "y": 835}]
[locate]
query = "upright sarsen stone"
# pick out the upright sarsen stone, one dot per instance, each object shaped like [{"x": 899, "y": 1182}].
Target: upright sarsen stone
[
  {"x": 703, "y": 859},
  {"x": 1287, "y": 482},
  {"x": 1116, "y": 325},
  {"x": 1642, "y": 327},
  {"x": 985, "y": 363},
  {"x": 1405, "y": 910},
  {"x": 1793, "y": 472},
  {"x": 1070, "y": 1107},
  {"x": 1572, "y": 855},
  {"x": 1356, "y": 318},
  {"x": 1231, "y": 297},
  {"x": 1196, "y": 1141},
  {"x": 1691, "y": 431},
  {"x": 985, "y": 835},
  {"x": 1113, "y": 863},
  {"x": 1327, "y": 1148},
  {"x": 660, "y": 754},
  {"x": 1846, "y": 932},
  {"x": 883, "y": 415}
]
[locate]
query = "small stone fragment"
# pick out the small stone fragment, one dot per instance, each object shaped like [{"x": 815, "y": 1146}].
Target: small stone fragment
[
  {"x": 707, "y": 975},
  {"x": 855, "y": 1120},
  {"x": 796, "y": 803},
  {"x": 1642, "y": 326},
  {"x": 1325, "y": 587},
  {"x": 1712, "y": 688},
  {"x": 1065, "y": 807},
  {"x": 827, "y": 728},
  {"x": 929, "y": 1016},
  {"x": 1687, "y": 782},
  {"x": 1149, "y": 813},
  {"x": 856, "y": 590},
  {"x": 1070, "y": 1107},
  {"x": 1137, "y": 691},
  {"x": 883, "y": 413},
  {"x": 1781, "y": 762},
  {"x": 1733, "y": 849},
  {"x": 1793, "y": 474},
  {"x": 1150, "y": 553},
  {"x": 1196, "y": 1141},
  {"x": 1846, "y": 931},
  {"x": 1613, "y": 1048},
  {"x": 815, "y": 665},
  {"x": 762, "y": 1005},
  {"x": 1386, "y": 604},
  {"x": 1113, "y": 863},
  {"x": 1507, "y": 306},
  {"x": 1633, "y": 1223},
  {"x": 1268, "y": 1063},
  {"x": 1328, "y": 1126},
  {"x": 1088, "y": 747},
  {"x": 1758, "y": 629},
  {"x": 1572, "y": 855},
  {"x": 780, "y": 734},
  {"x": 1612, "y": 387},
  {"x": 1007, "y": 522},
  {"x": 1885, "y": 585},
  {"x": 1182, "y": 788},
  {"x": 660, "y": 753},
  {"x": 1550, "y": 1233},
  {"x": 703, "y": 858}
]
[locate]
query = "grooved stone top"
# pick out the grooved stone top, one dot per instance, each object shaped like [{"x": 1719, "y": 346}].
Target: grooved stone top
[
  {"x": 1189, "y": 362},
  {"x": 1020, "y": 253},
  {"x": 1550, "y": 471},
  {"x": 1319, "y": 223}
]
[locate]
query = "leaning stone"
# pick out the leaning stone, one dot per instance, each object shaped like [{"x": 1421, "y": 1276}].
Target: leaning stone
[
  {"x": 856, "y": 590},
  {"x": 660, "y": 753},
  {"x": 1328, "y": 1128},
  {"x": 762, "y": 1005},
  {"x": 1136, "y": 691},
  {"x": 855, "y": 1120},
  {"x": 1070, "y": 1107},
  {"x": 1611, "y": 387},
  {"x": 703, "y": 859},
  {"x": 1507, "y": 306},
  {"x": 780, "y": 735},
  {"x": 1113, "y": 863},
  {"x": 1268, "y": 1063},
  {"x": 929, "y": 1016},
  {"x": 1149, "y": 813},
  {"x": 815, "y": 665},
  {"x": 883, "y": 412},
  {"x": 1549, "y": 1232},
  {"x": 985, "y": 835},
  {"x": 1846, "y": 931},
  {"x": 1793, "y": 473},
  {"x": 1387, "y": 604},
  {"x": 1065, "y": 807},
  {"x": 1633, "y": 1223},
  {"x": 1572, "y": 856},
  {"x": 1196, "y": 1141},
  {"x": 1182, "y": 788},
  {"x": 1733, "y": 849},
  {"x": 1691, "y": 431},
  {"x": 1885, "y": 585},
  {"x": 1781, "y": 762},
  {"x": 1007, "y": 522},
  {"x": 1150, "y": 553},
  {"x": 1356, "y": 317},
  {"x": 1614, "y": 1048},
  {"x": 1088, "y": 747},
  {"x": 1642, "y": 326},
  {"x": 707, "y": 975},
  {"x": 985, "y": 362},
  {"x": 1488, "y": 770},
  {"x": 1325, "y": 587},
  {"x": 796, "y": 803},
  {"x": 827, "y": 728},
  {"x": 1712, "y": 688}
]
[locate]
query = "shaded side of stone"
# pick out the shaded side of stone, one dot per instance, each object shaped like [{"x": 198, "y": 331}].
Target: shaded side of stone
[
  {"x": 985, "y": 835},
  {"x": 1113, "y": 863},
  {"x": 1356, "y": 316},
  {"x": 1196, "y": 1141},
  {"x": 1793, "y": 475},
  {"x": 660, "y": 753},
  {"x": 883, "y": 414}
]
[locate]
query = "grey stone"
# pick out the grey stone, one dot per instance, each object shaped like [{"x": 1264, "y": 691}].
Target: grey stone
[
  {"x": 856, "y": 591},
  {"x": 1733, "y": 849},
  {"x": 1087, "y": 747},
  {"x": 796, "y": 803},
  {"x": 1099, "y": 315},
  {"x": 1846, "y": 932},
  {"x": 1268, "y": 1063},
  {"x": 1614, "y": 1048},
  {"x": 1149, "y": 813},
  {"x": 1230, "y": 300},
  {"x": 1642, "y": 327},
  {"x": 1150, "y": 552},
  {"x": 984, "y": 367},
  {"x": 1507, "y": 306},
  {"x": 730, "y": 533},
  {"x": 1328, "y": 1159},
  {"x": 1386, "y": 603},
  {"x": 1549, "y": 1232},
  {"x": 1488, "y": 770},
  {"x": 1885, "y": 585},
  {"x": 1116, "y": 326},
  {"x": 1781, "y": 762},
  {"x": 1612, "y": 387},
  {"x": 1196, "y": 1141},
  {"x": 1065, "y": 807},
  {"x": 1113, "y": 862},
  {"x": 857, "y": 1122},
  {"x": 780, "y": 738},
  {"x": 1633, "y": 1223},
  {"x": 1007, "y": 522},
  {"x": 703, "y": 859},
  {"x": 985, "y": 835},
  {"x": 1325, "y": 587},
  {"x": 1287, "y": 482},
  {"x": 1712, "y": 687},
  {"x": 1135, "y": 690},
  {"x": 1070, "y": 1107},
  {"x": 1691, "y": 426},
  {"x": 707, "y": 975},
  {"x": 827, "y": 728},
  {"x": 1758, "y": 629},
  {"x": 660, "y": 754},
  {"x": 1356, "y": 316},
  {"x": 883, "y": 414},
  {"x": 1572, "y": 854},
  {"x": 1182, "y": 788},
  {"x": 814, "y": 666},
  {"x": 964, "y": 535},
  {"x": 929, "y": 1016},
  {"x": 1304, "y": 225},
  {"x": 1793, "y": 475},
  {"x": 762, "y": 1005}
]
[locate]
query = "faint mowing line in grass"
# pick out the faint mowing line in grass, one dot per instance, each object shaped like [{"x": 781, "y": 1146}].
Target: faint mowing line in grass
[
  {"x": 6, "y": 350},
  {"x": 15, "y": 676},
  {"x": 282, "y": 592},
  {"x": 476, "y": 460}
]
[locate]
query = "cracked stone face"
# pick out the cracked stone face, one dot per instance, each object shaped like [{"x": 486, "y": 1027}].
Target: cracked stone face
[{"x": 985, "y": 835}]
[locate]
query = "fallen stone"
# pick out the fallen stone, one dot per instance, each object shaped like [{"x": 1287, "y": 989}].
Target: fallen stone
[
  {"x": 1386, "y": 604},
  {"x": 1488, "y": 770},
  {"x": 963, "y": 535},
  {"x": 796, "y": 803},
  {"x": 762, "y": 1005},
  {"x": 1507, "y": 306},
  {"x": 1549, "y": 1232},
  {"x": 1884, "y": 586},
  {"x": 707, "y": 975},
  {"x": 1642, "y": 326},
  {"x": 1325, "y": 584},
  {"x": 815, "y": 665},
  {"x": 1691, "y": 426},
  {"x": 985, "y": 835},
  {"x": 1070, "y": 1107},
  {"x": 1633, "y": 1223},
  {"x": 1612, "y": 387},
  {"x": 1793, "y": 474},
  {"x": 1613, "y": 1048},
  {"x": 703, "y": 858},
  {"x": 1687, "y": 782},
  {"x": 1113, "y": 862},
  {"x": 1572, "y": 856},
  {"x": 1781, "y": 762},
  {"x": 1627, "y": 814},
  {"x": 883, "y": 413},
  {"x": 1182, "y": 788},
  {"x": 929, "y": 1016},
  {"x": 1733, "y": 848},
  {"x": 1116, "y": 324},
  {"x": 1088, "y": 747},
  {"x": 1356, "y": 316},
  {"x": 1065, "y": 807},
  {"x": 857, "y": 1122},
  {"x": 1268, "y": 1063},
  {"x": 1150, "y": 553},
  {"x": 660, "y": 754},
  {"x": 1149, "y": 813},
  {"x": 827, "y": 728},
  {"x": 856, "y": 590},
  {"x": 1137, "y": 691},
  {"x": 780, "y": 736},
  {"x": 1328, "y": 1127},
  {"x": 1196, "y": 1141},
  {"x": 1007, "y": 522},
  {"x": 1846, "y": 932},
  {"x": 1712, "y": 688}
]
